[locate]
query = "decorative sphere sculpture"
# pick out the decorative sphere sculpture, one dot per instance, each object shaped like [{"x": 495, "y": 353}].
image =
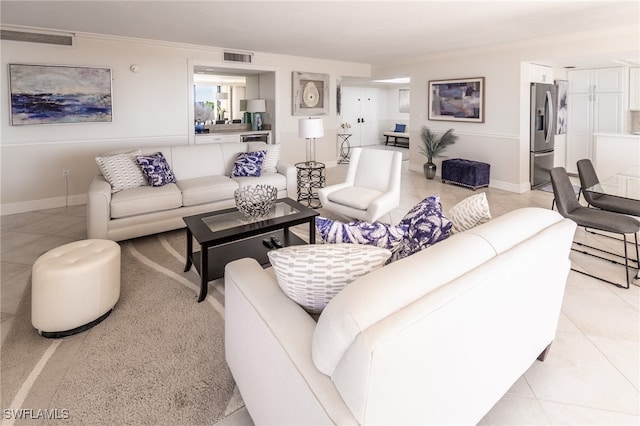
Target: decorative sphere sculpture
[{"x": 255, "y": 200}]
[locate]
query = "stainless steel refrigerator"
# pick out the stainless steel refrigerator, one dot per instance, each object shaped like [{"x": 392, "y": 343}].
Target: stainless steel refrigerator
[{"x": 542, "y": 131}]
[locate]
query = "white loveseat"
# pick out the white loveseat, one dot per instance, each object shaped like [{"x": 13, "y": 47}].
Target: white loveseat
[
  {"x": 435, "y": 338},
  {"x": 202, "y": 184}
]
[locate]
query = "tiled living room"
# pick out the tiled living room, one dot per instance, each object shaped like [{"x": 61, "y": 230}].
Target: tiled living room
[
  {"x": 590, "y": 376},
  {"x": 449, "y": 335}
]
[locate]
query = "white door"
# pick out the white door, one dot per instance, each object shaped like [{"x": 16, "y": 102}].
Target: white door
[
  {"x": 369, "y": 116},
  {"x": 350, "y": 112}
]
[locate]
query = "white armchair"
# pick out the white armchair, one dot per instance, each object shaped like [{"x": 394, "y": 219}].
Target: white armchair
[{"x": 371, "y": 188}]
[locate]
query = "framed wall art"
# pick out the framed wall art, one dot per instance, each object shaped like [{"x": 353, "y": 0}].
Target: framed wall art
[
  {"x": 50, "y": 94},
  {"x": 457, "y": 100},
  {"x": 310, "y": 93},
  {"x": 403, "y": 100},
  {"x": 561, "y": 106}
]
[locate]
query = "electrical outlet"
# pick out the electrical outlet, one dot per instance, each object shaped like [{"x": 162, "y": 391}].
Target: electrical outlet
[{"x": 65, "y": 174}]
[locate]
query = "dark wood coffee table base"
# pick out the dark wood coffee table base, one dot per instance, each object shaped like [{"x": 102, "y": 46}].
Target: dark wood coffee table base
[{"x": 219, "y": 256}]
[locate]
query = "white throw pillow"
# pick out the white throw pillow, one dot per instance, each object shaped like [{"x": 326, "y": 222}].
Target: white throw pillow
[
  {"x": 470, "y": 212},
  {"x": 313, "y": 274},
  {"x": 122, "y": 170},
  {"x": 273, "y": 155}
]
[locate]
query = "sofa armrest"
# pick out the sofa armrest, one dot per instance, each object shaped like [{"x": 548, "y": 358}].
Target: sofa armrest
[
  {"x": 268, "y": 346},
  {"x": 289, "y": 172},
  {"x": 98, "y": 208}
]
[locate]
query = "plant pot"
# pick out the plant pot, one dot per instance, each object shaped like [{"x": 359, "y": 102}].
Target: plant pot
[{"x": 429, "y": 170}]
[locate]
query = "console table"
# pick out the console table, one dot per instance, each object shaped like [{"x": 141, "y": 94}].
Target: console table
[{"x": 345, "y": 147}]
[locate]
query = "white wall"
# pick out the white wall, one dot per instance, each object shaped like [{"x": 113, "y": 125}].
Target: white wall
[
  {"x": 150, "y": 108},
  {"x": 502, "y": 140}
]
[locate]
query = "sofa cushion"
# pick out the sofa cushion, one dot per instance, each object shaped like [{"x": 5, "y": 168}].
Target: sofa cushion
[
  {"x": 354, "y": 196},
  {"x": 248, "y": 164},
  {"x": 469, "y": 213},
  {"x": 360, "y": 232},
  {"x": 268, "y": 178},
  {"x": 156, "y": 169},
  {"x": 192, "y": 161},
  {"x": 206, "y": 189},
  {"x": 312, "y": 275},
  {"x": 145, "y": 199},
  {"x": 272, "y": 157},
  {"x": 425, "y": 226},
  {"x": 121, "y": 170}
]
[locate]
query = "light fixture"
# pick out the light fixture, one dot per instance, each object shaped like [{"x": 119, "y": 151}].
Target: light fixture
[
  {"x": 256, "y": 106},
  {"x": 310, "y": 129}
]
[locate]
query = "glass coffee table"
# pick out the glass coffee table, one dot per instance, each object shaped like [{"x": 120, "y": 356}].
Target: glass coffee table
[{"x": 228, "y": 235}]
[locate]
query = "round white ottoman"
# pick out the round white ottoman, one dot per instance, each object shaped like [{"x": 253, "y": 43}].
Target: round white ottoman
[{"x": 74, "y": 287}]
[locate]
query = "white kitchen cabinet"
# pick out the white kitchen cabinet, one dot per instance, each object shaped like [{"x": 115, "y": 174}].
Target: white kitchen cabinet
[
  {"x": 600, "y": 80},
  {"x": 217, "y": 138},
  {"x": 595, "y": 102},
  {"x": 634, "y": 88},
  {"x": 359, "y": 108},
  {"x": 540, "y": 74}
]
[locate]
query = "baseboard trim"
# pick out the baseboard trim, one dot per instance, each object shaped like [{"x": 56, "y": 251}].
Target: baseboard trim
[{"x": 44, "y": 204}]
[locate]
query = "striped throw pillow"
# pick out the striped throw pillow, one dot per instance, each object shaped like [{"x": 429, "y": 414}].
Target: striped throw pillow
[
  {"x": 470, "y": 212},
  {"x": 122, "y": 171},
  {"x": 311, "y": 275}
]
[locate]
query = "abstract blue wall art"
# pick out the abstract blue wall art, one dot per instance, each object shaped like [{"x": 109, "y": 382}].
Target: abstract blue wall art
[
  {"x": 457, "y": 100},
  {"x": 50, "y": 94}
]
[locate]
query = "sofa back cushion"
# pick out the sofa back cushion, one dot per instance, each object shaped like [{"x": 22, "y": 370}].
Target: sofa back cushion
[
  {"x": 196, "y": 161},
  {"x": 376, "y": 296}
]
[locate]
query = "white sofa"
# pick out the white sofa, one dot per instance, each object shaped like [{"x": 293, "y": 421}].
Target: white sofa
[
  {"x": 202, "y": 184},
  {"x": 435, "y": 338}
]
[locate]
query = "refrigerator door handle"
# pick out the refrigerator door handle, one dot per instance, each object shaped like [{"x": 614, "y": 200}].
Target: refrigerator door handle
[{"x": 549, "y": 123}]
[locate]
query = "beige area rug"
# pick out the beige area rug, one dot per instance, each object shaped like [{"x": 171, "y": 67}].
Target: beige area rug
[{"x": 157, "y": 359}]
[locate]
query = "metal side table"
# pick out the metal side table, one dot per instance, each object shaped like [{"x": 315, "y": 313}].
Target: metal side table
[{"x": 310, "y": 178}]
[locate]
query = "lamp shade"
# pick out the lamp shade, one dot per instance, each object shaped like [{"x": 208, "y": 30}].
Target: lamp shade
[
  {"x": 310, "y": 128},
  {"x": 256, "y": 105}
]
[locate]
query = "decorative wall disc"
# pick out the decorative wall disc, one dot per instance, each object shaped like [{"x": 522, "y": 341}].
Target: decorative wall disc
[{"x": 310, "y": 94}]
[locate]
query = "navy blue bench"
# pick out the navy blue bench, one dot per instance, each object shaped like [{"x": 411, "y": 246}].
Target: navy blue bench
[{"x": 472, "y": 174}]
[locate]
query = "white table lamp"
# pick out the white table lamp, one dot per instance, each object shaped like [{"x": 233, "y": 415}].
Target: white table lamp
[{"x": 310, "y": 129}]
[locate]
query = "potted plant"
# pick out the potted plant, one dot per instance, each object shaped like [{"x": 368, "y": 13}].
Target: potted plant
[{"x": 433, "y": 146}]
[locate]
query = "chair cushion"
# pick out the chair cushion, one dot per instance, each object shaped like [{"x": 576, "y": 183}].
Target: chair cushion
[
  {"x": 312, "y": 275},
  {"x": 470, "y": 212},
  {"x": 360, "y": 232},
  {"x": 156, "y": 170},
  {"x": 206, "y": 189},
  {"x": 145, "y": 199},
  {"x": 354, "y": 196}
]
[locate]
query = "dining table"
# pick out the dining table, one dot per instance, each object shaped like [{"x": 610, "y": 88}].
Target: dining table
[{"x": 624, "y": 184}]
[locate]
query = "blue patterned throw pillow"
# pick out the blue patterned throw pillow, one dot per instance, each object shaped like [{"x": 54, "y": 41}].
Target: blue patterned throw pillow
[
  {"x": 156, "y": 170},
  {"x": 359, "y": 232},
  {"x": 425, "y": 226},
  {"x": 248, "y": 164}
]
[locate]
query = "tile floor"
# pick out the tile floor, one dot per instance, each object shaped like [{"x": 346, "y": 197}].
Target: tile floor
[{"x": 591, "y": 376}]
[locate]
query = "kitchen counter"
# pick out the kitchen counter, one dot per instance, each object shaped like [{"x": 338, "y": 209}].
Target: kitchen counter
[{"x": 615, "y": 152}]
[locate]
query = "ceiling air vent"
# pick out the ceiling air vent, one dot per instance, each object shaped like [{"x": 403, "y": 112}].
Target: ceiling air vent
[
  {"x": 35, "y": 37},
  {"x": 238, "y": 57}
]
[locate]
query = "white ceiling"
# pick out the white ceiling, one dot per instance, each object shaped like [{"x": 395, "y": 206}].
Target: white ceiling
[{"x": 373, "y": 32}]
